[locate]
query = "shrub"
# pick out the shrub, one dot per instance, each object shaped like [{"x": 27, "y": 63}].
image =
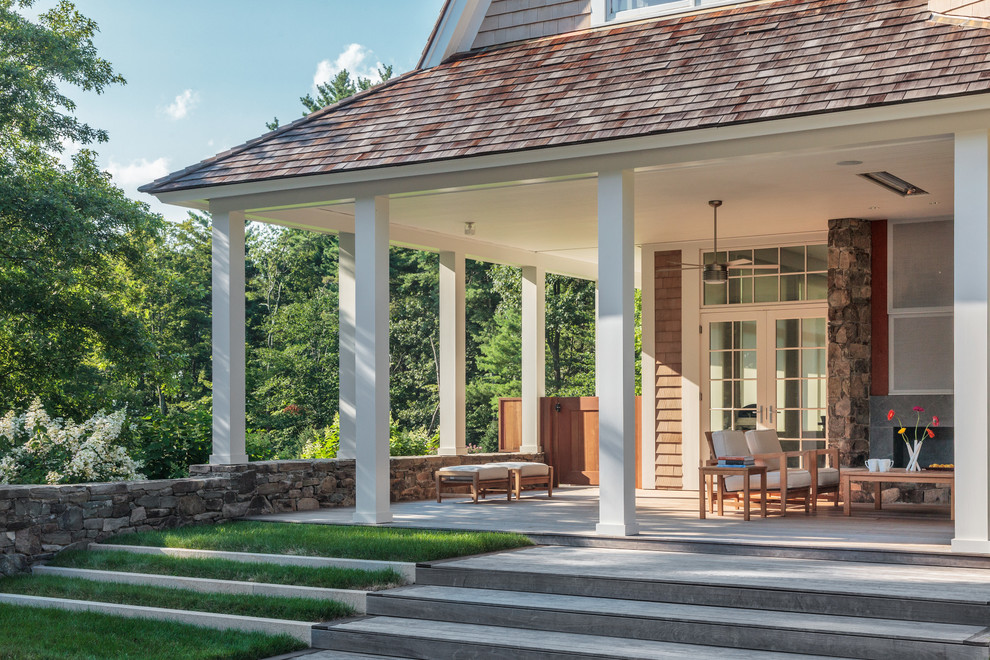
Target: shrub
[
  {"x": 325, "y": 443},
  {"x": 402, "y": 442},
  {"x": 168, "y": 444},
  {"x": 34, "y": 448}
]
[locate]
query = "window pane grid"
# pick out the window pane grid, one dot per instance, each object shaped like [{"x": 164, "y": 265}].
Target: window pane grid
[{"x": 802, "y": 275}]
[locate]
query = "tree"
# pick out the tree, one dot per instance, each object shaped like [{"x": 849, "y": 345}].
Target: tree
[{"x": 336, "y": 89}]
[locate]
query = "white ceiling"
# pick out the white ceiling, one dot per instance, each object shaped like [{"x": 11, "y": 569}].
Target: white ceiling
[{"x": 763, "y": 196}]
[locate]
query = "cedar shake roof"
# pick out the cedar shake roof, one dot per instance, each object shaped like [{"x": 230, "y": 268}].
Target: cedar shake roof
[{"x": 741, "y": 64}]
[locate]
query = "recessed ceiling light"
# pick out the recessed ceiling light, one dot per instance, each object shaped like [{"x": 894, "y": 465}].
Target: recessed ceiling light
[
  {"x": 874, "y": 208},
  {"x": 469, "y": 229},
  {"x": 844, "y": 163},
  {"x": 893, "y": 183},
  {"x": 932, "y": 203}
]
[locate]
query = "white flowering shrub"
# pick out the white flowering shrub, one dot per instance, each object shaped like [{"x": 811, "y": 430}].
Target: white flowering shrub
[{"x": 34, "y": 448}]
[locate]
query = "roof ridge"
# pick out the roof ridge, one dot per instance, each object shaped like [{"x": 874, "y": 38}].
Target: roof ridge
[{"x": 244, "y": 146}]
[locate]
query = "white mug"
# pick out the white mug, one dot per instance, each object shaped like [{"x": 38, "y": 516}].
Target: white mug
[{"x": 879, "y": 464}]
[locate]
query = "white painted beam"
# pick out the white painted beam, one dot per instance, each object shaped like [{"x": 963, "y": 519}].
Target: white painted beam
[
  {"x": 228, "y": 339},
  {"x": 533, "y": 355},
  {"x": 615, "y": 348},
  {"x": 972, "y": 424},
  {"x": 452, "y": 354},
  {"x": 346, "y": 302},
  {"x": 371, "y": 360}
]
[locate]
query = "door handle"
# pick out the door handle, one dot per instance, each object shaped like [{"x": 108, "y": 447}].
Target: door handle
[{"x": 761, "y": 414}]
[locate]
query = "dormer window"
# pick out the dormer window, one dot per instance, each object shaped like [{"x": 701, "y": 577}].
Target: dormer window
[{"x": 630, "y": 10}]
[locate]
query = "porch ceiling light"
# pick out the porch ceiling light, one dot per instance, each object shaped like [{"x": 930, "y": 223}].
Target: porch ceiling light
[
  {"x": 469, "y": 229},
  {"x": 893, "y": 183}
]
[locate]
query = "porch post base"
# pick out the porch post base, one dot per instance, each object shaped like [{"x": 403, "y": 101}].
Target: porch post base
[
  {"x": 526, "y": 449},
  {"x": 228, "y": 459},
  {"x": 617, "y": 529},
  {"x": 452, "y": 451},
  {"x": 372, "y": 518},
  {"x": 971, "y": 546}
]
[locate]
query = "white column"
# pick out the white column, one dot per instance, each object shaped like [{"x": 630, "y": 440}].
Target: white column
[
  {"x": 534, "y": 338},
  {"x": 615, "y": 348},
  {"x": 228, "y": 339},
  {"x": 452, "y": 354},
  {"x": 371, "y": 359},
  {"x": 648, "y": 371},
  {"x": 346, "y": 302},
  {"x": 692, "y": 438},
  {"x": 971, "y": 250}
]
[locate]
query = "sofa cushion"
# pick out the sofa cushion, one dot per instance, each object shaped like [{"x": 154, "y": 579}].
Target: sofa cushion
[
  {"x": 765, "y": 442},
  {"x": 525, "y": 468},
  {"x": 795, "y": 479},
  {"x": 484, "y": 471},
  {"x": 729, "y": 443},
  {"x": 827, "y": 476}
]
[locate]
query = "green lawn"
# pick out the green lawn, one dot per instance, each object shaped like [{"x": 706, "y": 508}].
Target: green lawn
[
  {"x": 383, "y": 543},
  {"x": 225, "y": 569},
  {"x": 28, "y": 633},
  {"x": 296, "y": 609}
]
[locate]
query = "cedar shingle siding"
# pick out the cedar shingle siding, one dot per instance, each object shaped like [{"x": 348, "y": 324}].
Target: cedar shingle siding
[
  {"x": 515, "y": 20},
  {"x": 742, "y": 64}
]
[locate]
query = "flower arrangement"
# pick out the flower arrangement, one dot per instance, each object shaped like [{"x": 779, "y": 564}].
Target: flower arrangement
[
  {"x": 34, "y": 448},
  {"x": 914, "y": 443}
]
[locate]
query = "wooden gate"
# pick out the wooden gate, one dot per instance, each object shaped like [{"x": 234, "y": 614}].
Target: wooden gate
[{"x": 568, "y": 435}]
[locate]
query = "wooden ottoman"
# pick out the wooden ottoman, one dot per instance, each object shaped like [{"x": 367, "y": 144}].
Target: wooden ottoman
[
  {"x": 530, "y": 476},
  {"x": 481, "y": 478}
]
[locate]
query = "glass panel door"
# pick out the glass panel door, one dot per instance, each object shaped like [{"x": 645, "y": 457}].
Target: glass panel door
[{"x": 765, "y": 369}]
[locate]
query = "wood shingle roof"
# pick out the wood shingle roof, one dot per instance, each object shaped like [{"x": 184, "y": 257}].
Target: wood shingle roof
[{"x": 741, "y": 64}]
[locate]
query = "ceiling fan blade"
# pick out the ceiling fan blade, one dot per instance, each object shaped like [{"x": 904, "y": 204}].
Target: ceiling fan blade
[
  {"x": 673, "y": 267},
  {"x": 748, "y": 264},
  {"x": 739, "y": 262},
  {"x": 761, "y": 267}
]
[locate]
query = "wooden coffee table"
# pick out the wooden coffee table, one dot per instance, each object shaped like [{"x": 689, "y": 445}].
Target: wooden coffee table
[
  {"x": 897, "y": 475},
  {"x": 715, "y": 471}
]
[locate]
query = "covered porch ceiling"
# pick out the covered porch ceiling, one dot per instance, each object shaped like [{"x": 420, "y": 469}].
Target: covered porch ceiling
[{"x": 767, "y": 195}]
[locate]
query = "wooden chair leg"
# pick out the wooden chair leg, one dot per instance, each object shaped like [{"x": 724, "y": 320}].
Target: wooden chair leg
[
  {"x": 550, "y": 483},
  {"x": 474, "y": 487}
]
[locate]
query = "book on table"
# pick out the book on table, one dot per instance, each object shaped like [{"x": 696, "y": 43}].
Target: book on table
[{"x": 736, "y": 461}]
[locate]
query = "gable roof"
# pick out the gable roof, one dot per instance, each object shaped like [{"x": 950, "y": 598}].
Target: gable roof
[{"x": 741, "y": 64}]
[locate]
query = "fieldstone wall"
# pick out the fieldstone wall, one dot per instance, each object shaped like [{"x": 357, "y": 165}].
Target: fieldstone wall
[
  {"x": 849, "y": 335},
  {"x": 38, "y": 521}
]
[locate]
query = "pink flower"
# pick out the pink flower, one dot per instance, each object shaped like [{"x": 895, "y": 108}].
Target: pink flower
[
  {"x": 890, "y": 415},
  {"x": 918, "y": 409},
  {"x": 935, "y": 420}
]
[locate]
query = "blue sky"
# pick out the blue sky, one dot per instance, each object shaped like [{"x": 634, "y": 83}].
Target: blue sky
[{"x": 205, "y": 75}]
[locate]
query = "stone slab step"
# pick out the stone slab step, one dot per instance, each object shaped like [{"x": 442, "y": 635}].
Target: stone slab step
[
  {"x": 355, "y": 598},
  {"x": 313, "y": 654},
  {"x": 301, "y": 630},
  {"x": 916, "y": 593},
  {"x": 404, "y": 568},
  {"x": 444, "y": 640},
  {"x": 793, "y": 632}
]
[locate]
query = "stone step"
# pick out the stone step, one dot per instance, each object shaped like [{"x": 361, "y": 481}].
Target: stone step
[
  {"x": 445, "y": 640},
  {"x": 404, "y": 568},
  {"x": 793, "y": 632},
  {"x": 301, "y": 630},
  {"x": 914, "y": 593},
  {"x": 355, "y": 598}
]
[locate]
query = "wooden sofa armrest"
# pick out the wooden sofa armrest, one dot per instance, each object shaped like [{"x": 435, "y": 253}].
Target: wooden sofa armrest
[{"x": 830, "y": 453}]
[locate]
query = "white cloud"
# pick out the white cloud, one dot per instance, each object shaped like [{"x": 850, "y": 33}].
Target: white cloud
[
  {"x": 183, "y": 103},
  {"x": 137, "y": 172},
  {"x": 356, "y": 58}
]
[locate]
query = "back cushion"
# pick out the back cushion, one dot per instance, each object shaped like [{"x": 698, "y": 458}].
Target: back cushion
[
  {"x": 765, "y": 442},
  {"x": 729, "y": 443}
]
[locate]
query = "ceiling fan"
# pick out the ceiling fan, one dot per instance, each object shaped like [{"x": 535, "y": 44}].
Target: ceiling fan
[{"x": 718, "y": 272}]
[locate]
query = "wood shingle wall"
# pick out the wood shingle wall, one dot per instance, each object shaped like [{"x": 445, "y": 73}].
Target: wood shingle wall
[
  {"x": 515, "y": 20},
  {"x": 668, "y": 370}
]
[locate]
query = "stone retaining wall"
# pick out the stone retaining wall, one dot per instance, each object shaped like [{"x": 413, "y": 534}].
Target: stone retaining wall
[{"x": 37, "y": 521}]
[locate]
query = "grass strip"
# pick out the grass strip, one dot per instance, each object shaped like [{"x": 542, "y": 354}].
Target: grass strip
[
  {"x": 28, "y": 633},
  {"x": 272, "y": 607},
  {"x": 354, "y": 542},
  {"x": 225, "y": 569}
]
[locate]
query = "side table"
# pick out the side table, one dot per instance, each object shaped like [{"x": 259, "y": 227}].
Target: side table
[{"x": 716, "y": 473}]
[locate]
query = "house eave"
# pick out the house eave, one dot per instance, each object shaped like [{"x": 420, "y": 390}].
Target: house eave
[{"x": 860, "y": 126}]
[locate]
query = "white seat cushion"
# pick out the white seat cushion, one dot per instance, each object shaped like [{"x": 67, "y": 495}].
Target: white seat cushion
[
  {"x": 526, "y": 469},
  {"x": 729, "y": 443},
  {"x": 827, "y": 476},
  {"x": 483, "y": 471},
  {"x": 765, "y": 442},
  {"x": 795, "y": 479}
]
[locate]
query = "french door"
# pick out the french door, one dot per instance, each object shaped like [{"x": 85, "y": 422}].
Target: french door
[{"x": 766, "y": 369}]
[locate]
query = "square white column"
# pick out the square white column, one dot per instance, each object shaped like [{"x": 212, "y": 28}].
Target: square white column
[
  {"x": 534, "y": 335},
  {"x": 970, "y": 254},
  {"x": 648, "y": 371},
  {"x": 228, "y": 339},
  {"x": 371, "y": 359},
  {"x": 616, "y": 375},
  {"x": 452, "y": 354},
  {"x": 346, "y": 303}
]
